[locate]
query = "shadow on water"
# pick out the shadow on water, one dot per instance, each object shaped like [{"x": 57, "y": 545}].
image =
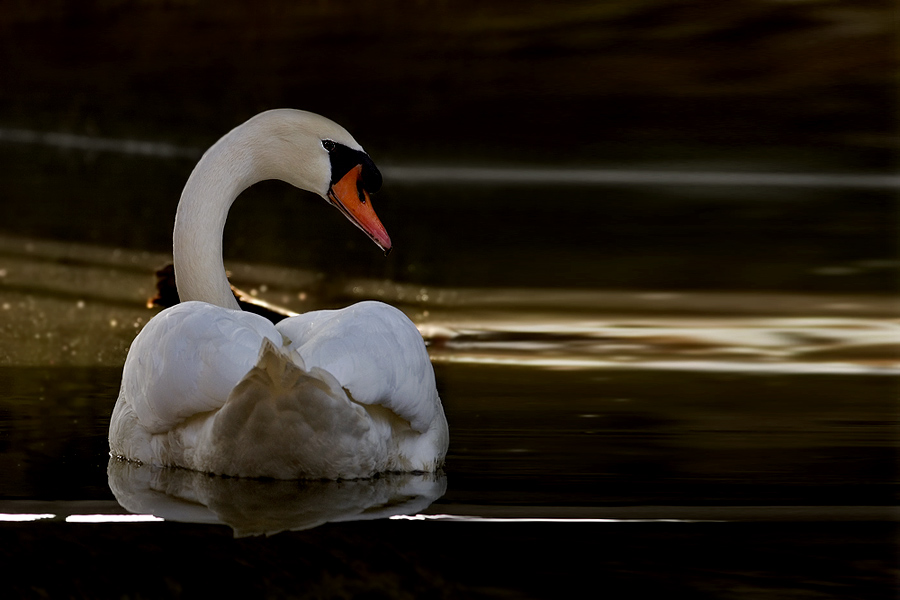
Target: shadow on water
[{"x": 256, "y": 507}]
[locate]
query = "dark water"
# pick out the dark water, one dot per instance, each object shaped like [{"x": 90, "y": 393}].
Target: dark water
[
  {"x": 533, "y": 437},
  {"x": 647, "y": 393},
  {"x": 809, "y": 239},
  {"x": 435, "y": 560},
  {"x": 641, "y": 482}
]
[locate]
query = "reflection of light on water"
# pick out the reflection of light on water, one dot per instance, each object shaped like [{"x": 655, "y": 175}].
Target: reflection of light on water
[
  {"x": 98, "y": 144},
  {"x": 640, "y": 177},
  {"x": 468, "y": 519},
  {"x": 97, "y": 518},
  {"x": 20, "y": 518},
  {"x": 704, "y": 366},
  {"x": 577, "y": 340},
  {"x": 522, "y": 175},
  {"x": 657, "y": 514},
  {"x": 48, "y": 320},
  {"x": 113, "y": 519}
]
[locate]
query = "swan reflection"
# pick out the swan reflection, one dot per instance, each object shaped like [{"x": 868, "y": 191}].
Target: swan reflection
[{"x": 256, "y": 507}]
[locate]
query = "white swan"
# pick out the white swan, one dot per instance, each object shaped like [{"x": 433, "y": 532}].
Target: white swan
[{"x": 334, "y": 394}]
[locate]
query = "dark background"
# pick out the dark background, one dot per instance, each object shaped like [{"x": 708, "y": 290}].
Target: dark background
[
  {"x": 574, "y": 81},
  {"x": 746, "y": 85}
]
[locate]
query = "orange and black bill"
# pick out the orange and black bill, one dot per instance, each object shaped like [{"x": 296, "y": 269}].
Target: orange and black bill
[
  {"x": 352, "y": 199},
  {"x": 354, "y": 177}
]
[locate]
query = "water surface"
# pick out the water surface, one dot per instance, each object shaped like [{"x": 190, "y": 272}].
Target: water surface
[
  {"x": 688, "y": 441},
  {"x": 650, "y": 389}
]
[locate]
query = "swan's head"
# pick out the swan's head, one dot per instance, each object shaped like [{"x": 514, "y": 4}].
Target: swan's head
[{"x": 316, "y": 154}]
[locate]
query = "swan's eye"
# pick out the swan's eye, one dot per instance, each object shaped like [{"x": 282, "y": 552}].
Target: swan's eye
[{"x": 328, "y": 145}]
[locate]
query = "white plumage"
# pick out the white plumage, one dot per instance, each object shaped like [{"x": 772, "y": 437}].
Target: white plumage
[{"x": 327, "y": 394}]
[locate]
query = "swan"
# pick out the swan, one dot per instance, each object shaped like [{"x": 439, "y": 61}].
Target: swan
[{"x": 330, "y": 394}]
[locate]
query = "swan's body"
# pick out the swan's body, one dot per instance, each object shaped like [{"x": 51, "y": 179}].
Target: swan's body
[{"x": 328, "y": 394}]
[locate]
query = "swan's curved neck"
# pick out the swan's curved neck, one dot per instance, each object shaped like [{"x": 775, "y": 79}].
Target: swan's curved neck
[{"x": 229, "y": 167}]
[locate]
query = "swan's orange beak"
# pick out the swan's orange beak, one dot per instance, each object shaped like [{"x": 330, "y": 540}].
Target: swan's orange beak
[{"x": 349, "y": 196}]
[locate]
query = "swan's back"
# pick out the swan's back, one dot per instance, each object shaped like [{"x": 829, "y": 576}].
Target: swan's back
[
  {"x": 376, "y": 353},
  {"x": 329, "y": 394}
]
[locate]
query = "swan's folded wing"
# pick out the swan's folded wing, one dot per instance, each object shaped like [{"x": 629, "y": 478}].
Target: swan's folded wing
[
  {"x": 188, "y": 359},
  {"x": 376, "y": 353}
]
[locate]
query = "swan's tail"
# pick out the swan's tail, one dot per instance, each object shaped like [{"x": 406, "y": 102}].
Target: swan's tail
[{"x": 287, "y": 422}]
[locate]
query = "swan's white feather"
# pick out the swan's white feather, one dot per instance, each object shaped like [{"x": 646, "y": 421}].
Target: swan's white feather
[
  {"x": 188, "y": 359},
  {"x": 376, "y": 353},
  {"x": 329, "y": 394}
]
